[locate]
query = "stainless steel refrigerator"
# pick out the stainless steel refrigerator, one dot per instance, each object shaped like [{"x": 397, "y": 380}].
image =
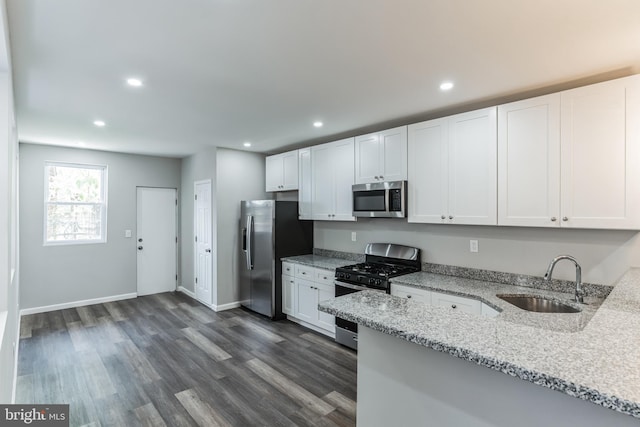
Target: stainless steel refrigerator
[{"x": 269, "y": 230}]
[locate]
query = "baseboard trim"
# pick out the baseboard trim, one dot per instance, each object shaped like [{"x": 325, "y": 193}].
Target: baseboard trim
[
  {"x": 187, "y": 292},
  {"x": 213, "y": 307},
  {"x": 227, "y": 306},
  {"x": 73, "y": 304}
]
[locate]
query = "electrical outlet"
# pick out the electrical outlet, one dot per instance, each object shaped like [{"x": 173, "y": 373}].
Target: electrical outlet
[
  {"x": 353, "y": 236},
  {"x": 473, "y": 246}
]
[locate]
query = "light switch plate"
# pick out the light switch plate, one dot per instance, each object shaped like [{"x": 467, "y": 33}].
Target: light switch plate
[
  {"x": 473, "y": 246},
  {"x": 127, "y": 233},
  {"x": 353, "y": 236}
]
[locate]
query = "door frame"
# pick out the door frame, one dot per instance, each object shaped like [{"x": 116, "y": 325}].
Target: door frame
[{"x": 177, "y": 228}]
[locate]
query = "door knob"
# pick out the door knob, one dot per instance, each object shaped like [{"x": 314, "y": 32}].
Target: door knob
[{"x": 139, "y": 248}]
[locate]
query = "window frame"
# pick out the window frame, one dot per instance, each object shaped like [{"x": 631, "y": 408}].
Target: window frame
[{"x": 103, "y": 204}]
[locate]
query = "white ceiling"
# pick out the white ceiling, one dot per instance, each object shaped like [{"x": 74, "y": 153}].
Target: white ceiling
[{"x": 222, "y": 72}]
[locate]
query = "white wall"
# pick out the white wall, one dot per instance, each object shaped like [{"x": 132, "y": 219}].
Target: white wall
[
  {"x": 62, "y": 274},
  {"x": 9, "y": 239},
  {"x": 240, "y": 176},
  {"x": 199, "y": 167},
  {"x": 603, "y": 255},
  {"x": 235, "y": 176}
]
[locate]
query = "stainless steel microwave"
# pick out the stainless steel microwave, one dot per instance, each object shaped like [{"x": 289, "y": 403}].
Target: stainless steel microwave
[{"x": 380, "y": 199}]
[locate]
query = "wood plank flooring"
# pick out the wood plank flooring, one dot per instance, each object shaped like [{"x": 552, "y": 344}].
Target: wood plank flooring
[{"x": 166, "y": 360}]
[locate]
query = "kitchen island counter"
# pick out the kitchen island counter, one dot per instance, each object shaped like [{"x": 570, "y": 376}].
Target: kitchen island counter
[{"x": 597, "y": 362}]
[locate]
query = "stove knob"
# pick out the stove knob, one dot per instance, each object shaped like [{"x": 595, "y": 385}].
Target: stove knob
[
  {"x": 372, "y": 281},
  {"x": 347, "y": 276},
  {"x": 378, "y": 282}
]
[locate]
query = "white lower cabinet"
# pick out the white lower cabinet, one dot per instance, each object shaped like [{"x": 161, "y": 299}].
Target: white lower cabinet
[
  {"x": 306, "y": 289},
  {"x": 414, "y": 294},
  {"x": 288, "y": 289},
  {"x": 455, "y": 302}
]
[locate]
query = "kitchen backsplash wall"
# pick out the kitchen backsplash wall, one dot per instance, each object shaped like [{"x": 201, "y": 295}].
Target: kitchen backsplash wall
[{"x": 603, "y": 254}]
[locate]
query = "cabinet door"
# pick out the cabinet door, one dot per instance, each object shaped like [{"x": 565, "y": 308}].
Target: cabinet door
[
  {"x": 273, "y": 173},
  {"x": 529, "y": 162},
  {"x": 367, "y": 159},
  {"x": 342, "y": 170},
  {"x": 326, "y": 321},
  {"x": 456, "y": 302},
  {"x": 473, "y": 168},
  {"x": 600, "y": 158},
  {"x": 322, "y": 188},
  {"x": 290, "y": 170},
  {"x": 288, "y": 295},
  {"x": 306, "y": 302},
  {"x": 414, "y": 294},
  {"x": 427, "y": 171},
  {"x": 304, "y": 183},
  {"x": 393, "y": 154}
]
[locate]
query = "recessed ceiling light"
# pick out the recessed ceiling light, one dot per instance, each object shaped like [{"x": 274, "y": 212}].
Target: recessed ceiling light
[
  {"x": 247, "y": 144},
  {"x": 134, "y": 82},
  {"x": 318, "y": 124},
  {"x": 446, "y": 86},
  {"x": 99, "y": 123}
]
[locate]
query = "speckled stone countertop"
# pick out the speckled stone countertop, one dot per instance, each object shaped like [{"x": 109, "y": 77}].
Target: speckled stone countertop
[
  {"x": 598, "y": 361},
  {"x": 318, "y": 261}
]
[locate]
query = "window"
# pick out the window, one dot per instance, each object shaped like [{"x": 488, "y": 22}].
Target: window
[{"x": 75, "y": 203}]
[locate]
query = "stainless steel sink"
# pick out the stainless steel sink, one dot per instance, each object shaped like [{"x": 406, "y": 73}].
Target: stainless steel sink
[{"x": 538, "y": 304}]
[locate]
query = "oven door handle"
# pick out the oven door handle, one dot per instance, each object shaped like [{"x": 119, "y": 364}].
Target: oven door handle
[{"x": 351, "y": 286}]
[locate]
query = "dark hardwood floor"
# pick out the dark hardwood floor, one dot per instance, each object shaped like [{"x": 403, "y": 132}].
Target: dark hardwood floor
[{"x": 167, "y": 360}]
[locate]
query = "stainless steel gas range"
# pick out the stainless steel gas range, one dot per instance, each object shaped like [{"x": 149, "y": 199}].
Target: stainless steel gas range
[{"x": 382, "y": 262}]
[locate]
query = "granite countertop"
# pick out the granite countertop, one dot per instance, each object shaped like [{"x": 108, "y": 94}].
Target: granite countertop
[
  {"x": 593, "y": 355},
  {"x": 318, "y": 261}
]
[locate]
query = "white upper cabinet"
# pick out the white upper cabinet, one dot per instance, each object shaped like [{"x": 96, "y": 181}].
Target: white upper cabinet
[
  {"x": 600, "y": 155},
  {"x": 529, "y": 162},
  {"x": 332, "y": 175},
  {"x": 381, "y": 156},
  {"x": 304, "y": 183},
  {"x": 282, "y": 171},
  {"x": 452, "y": 169},
  {"x": 572, "y": 159}
]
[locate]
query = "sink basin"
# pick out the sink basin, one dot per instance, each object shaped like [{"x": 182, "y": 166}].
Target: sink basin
[{"x": 538, "y": 304}]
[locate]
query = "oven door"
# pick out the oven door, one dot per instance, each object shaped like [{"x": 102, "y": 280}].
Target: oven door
[{"x": 346, "y": 331}]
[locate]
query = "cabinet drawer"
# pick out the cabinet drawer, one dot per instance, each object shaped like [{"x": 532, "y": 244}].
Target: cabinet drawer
[
  {"x": 324, "y": 276},
  {"x": 456, "y": 302},
  {"x": 414, "y": 294},
  {"x": 288, "y": 269},
  {"x": 305, "y": 272}
]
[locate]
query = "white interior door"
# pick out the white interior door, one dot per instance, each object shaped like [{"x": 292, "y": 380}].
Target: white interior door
[
  {"x": 203, "y": 247},
  {"x": 156, "y": 240}
]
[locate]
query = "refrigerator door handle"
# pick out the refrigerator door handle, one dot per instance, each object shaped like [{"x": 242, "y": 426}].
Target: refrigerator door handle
[{"x": 248, "y": 241}]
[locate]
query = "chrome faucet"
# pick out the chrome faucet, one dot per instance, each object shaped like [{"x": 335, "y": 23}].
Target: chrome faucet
[{"x": 579, "y": 290}]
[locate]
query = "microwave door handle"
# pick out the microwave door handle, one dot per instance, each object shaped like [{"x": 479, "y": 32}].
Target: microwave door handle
[{"x": 386, "y": 199}]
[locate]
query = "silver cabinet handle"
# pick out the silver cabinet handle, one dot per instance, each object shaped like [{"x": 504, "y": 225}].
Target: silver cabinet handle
[
  {"x": 450, "y": 216},
  {"x": 304, "y": 272},
  {"x": 443, "y": 217},
  {"x": 375, "y": 177},
  {"x": 381, "y": 177},
  {"x": 139, "y": 248},
  {"x": 208, "y": 250},
  {"x": 564, "y": 218},
  {"x": 408, "y": 296},
  {"x": 554, "y": 219},
  {"x": 453, "y": 306}
]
